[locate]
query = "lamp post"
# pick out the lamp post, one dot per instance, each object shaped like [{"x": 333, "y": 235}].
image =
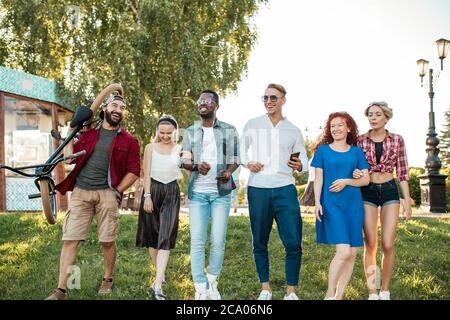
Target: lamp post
[{"x": 432, "y": 184}]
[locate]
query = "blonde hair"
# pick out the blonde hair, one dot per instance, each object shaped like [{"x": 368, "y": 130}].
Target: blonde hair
[
  {"x": 166, "y": 119},
  {"x": 388, "y": 112}
]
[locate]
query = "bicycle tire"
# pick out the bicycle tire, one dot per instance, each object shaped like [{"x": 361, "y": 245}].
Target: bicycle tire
[
  {"x": 48, "y": 198},
  {"x": 115, "y": 87}
]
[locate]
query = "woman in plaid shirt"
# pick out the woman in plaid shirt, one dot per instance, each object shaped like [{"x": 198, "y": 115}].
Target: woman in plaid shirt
[{"x": 384, "y": 151}]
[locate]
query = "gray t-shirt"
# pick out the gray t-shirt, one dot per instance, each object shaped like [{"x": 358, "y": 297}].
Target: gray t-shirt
[{"x": 94, "y": 174}]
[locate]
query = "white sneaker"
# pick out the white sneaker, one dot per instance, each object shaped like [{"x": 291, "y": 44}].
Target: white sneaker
[
  {"x": 265, "y": 295},
  {"x": 157, "y": 293},
  {"x": 291, "y": 296},
  {"x": 213, "y": 292},
  {"x": 200, "y": 291},
  {"x": 373, "y": 296},
  {"x": 385, "y": 295},
  {"x": 329, "y": 298}
]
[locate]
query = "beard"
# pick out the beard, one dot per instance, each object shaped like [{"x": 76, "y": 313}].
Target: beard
[
  {"x": 111, "y": 121},
  {"x": 207, "y": 115}
]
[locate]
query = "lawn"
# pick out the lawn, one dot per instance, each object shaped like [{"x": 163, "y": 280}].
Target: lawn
[{"x": 29, "y": 255}]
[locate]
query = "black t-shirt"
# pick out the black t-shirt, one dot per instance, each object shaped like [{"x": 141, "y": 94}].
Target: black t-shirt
[{"x": 378, "y": 151}]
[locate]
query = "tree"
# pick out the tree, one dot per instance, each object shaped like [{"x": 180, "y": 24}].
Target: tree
[
  {"x": 444, "y": 144},
  {"x": 163, "y": 52},
  {"x": 302, "y": 178}
]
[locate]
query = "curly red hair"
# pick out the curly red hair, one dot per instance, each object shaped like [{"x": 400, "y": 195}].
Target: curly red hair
[{"x": 327, "y": 138}]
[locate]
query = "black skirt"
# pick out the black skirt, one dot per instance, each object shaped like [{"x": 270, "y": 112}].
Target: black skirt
[
  {"x": 307, "y": 198},
  {"x": 159, "y": 229}
]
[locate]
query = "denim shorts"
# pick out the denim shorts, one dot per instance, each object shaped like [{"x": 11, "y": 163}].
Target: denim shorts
[{"x": 380, "y": 194}]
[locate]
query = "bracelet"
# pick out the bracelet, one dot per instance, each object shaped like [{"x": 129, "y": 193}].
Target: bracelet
[{"x": 147, "y": 194}]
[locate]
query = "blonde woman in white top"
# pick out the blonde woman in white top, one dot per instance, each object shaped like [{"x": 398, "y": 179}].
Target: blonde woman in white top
[{"x": 160, "y": 203}]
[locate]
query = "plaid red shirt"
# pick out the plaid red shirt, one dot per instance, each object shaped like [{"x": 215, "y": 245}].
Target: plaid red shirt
[{"x": 394, "y": 155}]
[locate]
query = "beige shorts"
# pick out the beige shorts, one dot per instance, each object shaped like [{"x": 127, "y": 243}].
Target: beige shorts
[{"x": 84, "y": 206}]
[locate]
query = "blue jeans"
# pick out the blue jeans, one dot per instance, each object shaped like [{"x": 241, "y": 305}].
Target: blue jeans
[
  {"x": 281, "y": 204},
  {"x": 202, "y": 206}
]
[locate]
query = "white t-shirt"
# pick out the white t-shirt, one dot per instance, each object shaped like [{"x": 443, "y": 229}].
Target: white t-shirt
[{"x": 208, "y": 183}]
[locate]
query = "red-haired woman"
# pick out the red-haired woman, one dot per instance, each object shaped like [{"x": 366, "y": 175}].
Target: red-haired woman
[
  {"x": 384, "y": 151},
  {"x": 339, "y": 205}
]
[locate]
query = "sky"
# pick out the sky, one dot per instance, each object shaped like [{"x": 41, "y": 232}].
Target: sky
[{"x": 340, "y": 55}]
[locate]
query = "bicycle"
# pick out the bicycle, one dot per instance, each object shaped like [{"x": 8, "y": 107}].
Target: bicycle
[{"x": 44, "y": 181}]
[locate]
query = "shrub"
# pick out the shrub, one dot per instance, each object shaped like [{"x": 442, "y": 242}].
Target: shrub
[
  {"x": 447, "y": 185},
  {"x": 301, "y": 190},
  {"x": 414, "y": 183}
]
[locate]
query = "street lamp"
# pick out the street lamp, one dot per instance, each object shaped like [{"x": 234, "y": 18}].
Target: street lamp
[
  {"x": 432, "y": 184},
  {"x": 442, "y": 47}
]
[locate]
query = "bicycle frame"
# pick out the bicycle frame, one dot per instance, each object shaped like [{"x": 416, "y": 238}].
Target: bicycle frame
[
  {"x": 42, "y": 173},
  {"x": 46, "y": 168}
]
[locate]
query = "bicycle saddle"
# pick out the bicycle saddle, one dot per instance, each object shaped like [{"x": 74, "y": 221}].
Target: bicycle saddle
[{"x": 82, "y": 114}]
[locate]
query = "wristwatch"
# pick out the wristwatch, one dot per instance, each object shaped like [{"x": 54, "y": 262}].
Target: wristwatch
[{"x": 147, "y": 194}]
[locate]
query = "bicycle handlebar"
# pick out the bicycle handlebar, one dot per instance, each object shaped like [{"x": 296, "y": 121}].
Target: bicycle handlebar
[
  {"x": 75, "y": 155},
  {"x": 45, "y": 165}
]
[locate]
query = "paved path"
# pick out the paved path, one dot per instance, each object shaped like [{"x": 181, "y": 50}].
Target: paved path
[{"x": 305, "y": 213}]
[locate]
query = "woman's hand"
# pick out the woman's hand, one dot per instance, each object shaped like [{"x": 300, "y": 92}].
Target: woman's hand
[
  {"x": 407, "y": 209},
  {"x": 357, "y": 174},
  {"x": 338, "y": 185},
  {"x": 148, "y": 205},
  {"x": 319, "y": 212}
]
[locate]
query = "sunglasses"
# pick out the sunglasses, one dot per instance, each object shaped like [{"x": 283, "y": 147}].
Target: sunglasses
[
  {"x": 205, "y": 101},
  {"x": 378, "y": 104},
  {"x": 273, "y": 98}
]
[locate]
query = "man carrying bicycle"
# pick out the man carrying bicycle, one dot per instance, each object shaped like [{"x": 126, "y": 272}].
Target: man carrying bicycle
[{"x": 110, "y": 166}]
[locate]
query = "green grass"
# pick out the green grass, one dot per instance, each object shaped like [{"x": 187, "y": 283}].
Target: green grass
[{"x": 30, "y": 248}]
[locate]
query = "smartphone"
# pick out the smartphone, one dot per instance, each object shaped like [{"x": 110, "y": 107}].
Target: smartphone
[
  {"x": 221, "y": 174},
  {"x": 295, "y": 155}
]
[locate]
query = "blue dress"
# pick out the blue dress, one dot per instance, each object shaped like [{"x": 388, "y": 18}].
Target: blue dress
[{"x": 343, "y": 212}]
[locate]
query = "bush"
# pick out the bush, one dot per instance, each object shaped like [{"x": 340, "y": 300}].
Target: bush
[
  {"x": 242, "y": 193},
  {"x": 301, "y": 190},
  {"x": 300, "y": 178},
  {"x": 447, "y": 185},
  {"x": 414, "y": 183}
]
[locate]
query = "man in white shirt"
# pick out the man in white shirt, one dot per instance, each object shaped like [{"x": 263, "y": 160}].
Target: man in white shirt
[{"x": 277, "y": 149}]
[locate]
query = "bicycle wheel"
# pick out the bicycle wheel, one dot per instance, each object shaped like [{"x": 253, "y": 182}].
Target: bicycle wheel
[
  {"x": 48, "y": 197},
  {"x": 115, "y": 87}
]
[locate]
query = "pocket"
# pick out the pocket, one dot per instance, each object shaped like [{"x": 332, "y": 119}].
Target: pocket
[
  {"x": 391, "y": 186},
  {"x": 120, "y": 149},
  {"x": 392, "y": 155},
  {"x": 66, "y": 218},
  {"x": 120, "y": 156}
]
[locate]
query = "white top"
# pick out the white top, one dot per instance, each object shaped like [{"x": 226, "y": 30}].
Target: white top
[
  {"x": 272, "y": 146},
  {"x": 165, "y": 167},
  {"x": 311, "y": 172},
  {"x": 208, "y": 183}
]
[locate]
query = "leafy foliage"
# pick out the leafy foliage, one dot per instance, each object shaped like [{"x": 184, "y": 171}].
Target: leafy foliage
[
  {"x": 414, "y": 183},
  {"x": 163, "y": 52},
  {"x": 302, "y": 178},
  {"x": 444, "y": 144}
]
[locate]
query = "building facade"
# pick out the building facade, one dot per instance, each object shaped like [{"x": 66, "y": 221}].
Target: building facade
[{"x": 29, "y": 109}]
